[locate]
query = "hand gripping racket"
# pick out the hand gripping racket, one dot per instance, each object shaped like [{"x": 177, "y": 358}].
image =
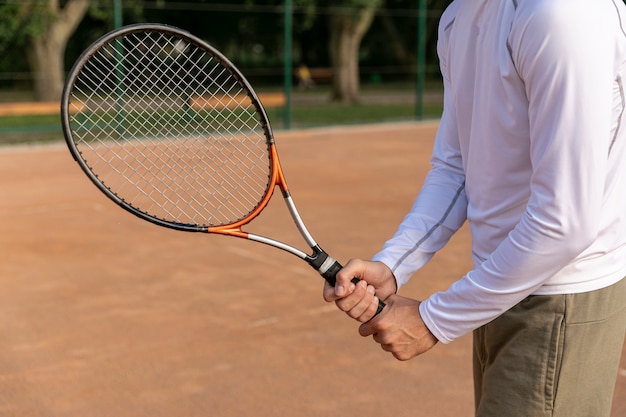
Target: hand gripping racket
[{"x": 168, "y": 128}]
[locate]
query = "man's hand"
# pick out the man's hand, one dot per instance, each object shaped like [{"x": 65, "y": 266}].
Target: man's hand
[
  {"x": 399, "y": 329},
  {"x": 360, "y": 301}
]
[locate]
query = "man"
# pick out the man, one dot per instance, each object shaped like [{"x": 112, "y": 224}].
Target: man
[{"x": 531, "y": 151}]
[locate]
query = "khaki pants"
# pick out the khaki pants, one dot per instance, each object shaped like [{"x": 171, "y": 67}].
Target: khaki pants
[{"x": 551, "y": 356}]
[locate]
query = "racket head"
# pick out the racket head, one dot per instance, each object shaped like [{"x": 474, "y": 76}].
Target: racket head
[{"x": 168, "y": 128}]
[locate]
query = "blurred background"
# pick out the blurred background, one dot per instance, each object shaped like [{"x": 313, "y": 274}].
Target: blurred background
[{"x": 317, "y": 62}]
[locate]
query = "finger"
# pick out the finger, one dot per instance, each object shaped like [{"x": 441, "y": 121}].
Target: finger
[
  {"x": 387, "y": 348},
  {"x": 344, "y": 289},
  {"x": 363, "y": 310},
  {"x": 352, "y": 269},
  {"x": 354, "y": 304},
  {"x": 329, "y": 292},
  {"x": 367, "y": 329},
  {"x": 386, "y": 345},
  {"x": 371, "y": 310}
]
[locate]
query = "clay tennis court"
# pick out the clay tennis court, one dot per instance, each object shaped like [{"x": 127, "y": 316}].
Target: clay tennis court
[{"x": 103, "y": 314}]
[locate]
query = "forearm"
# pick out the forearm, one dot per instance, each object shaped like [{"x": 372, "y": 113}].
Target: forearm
[{"x": 439, "y": 210}]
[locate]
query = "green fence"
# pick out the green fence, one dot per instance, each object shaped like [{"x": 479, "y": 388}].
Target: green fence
[{"x": 398, "y": 69}]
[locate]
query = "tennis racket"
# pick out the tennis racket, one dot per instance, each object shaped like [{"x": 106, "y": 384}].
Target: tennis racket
[{"x": 169, "y": 129}]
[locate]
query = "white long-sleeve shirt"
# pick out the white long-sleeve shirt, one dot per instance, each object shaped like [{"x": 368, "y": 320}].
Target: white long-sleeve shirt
[{"x": 531, "y": 151}]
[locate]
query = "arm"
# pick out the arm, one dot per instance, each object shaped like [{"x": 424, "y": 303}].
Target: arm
[{"x": 438, "y": 211}]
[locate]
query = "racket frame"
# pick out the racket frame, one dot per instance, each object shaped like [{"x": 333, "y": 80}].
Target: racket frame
[{"x": 318, "y": 258}]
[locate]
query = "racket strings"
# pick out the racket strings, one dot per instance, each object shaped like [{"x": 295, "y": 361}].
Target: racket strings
[{"x": 167, "y": 128}]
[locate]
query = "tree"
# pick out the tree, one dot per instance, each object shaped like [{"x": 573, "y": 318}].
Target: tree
[
  {"x": 326, "y": 33},
  {"x": 47, "y": 41},
  {"x": 43, "y": 27},
  {"x": 348, "y": 23}
]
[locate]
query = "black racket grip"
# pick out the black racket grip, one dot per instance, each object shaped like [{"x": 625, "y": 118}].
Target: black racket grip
[{"x": 330, "y": 275}]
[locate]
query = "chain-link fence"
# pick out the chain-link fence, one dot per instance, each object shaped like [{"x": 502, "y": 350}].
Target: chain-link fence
[{"x": 398, "y": 75}]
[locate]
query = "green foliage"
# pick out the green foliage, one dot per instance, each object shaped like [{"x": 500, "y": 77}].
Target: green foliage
[
  {"x": 8, "y": 25},
  {"x": 19, "y": 20},
  {"x": 355, "y": 5},
  {"x": 102, "y": 10},
  {"x": 247, "y": 31}
]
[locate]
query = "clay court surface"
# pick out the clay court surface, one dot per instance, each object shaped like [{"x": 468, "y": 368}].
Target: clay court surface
[{"x": 103, "y": 314}]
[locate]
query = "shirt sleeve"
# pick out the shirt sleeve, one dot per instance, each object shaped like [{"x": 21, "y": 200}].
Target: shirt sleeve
[
  {"x": 569, "y": 75},
  {"x": 440, "y": 208}
]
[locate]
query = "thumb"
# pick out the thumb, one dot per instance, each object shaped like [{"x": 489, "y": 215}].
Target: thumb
[{"x": 348, "y": 276}]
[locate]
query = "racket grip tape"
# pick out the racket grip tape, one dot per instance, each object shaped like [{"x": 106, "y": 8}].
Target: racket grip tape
[{"x": 330, "y": 276}]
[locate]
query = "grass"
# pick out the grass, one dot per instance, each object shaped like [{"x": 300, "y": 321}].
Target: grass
[
  {"x": 30, "y": 129},
  {"x": 340, "y": 114},
  {"x": 12, "y": 122},
  {"x": 309, "y": 109}
]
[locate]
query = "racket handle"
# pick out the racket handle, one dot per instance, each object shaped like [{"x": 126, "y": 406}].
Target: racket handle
[{"x": 330, "y": 276}]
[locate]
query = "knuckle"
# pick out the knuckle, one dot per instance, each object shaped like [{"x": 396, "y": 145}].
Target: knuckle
[{"x": 352, "y": 314}]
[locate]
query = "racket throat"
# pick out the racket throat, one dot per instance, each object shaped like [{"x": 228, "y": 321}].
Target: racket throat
[
  {"x": 319, "y": 259},
  {"x": 324, "y": 264}
]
